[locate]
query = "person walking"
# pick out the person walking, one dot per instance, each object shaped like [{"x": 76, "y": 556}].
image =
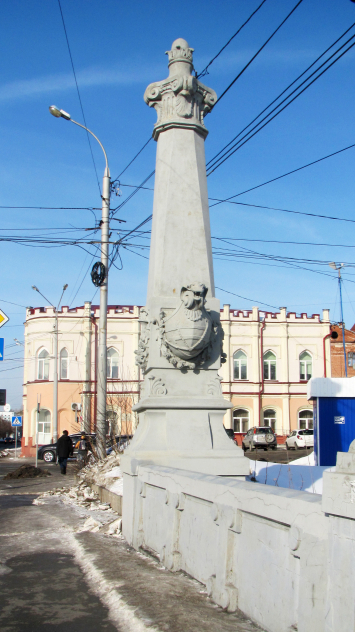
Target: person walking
[
  {"x": 83, "y": 448},
  {"x": 64, "y": 450}
]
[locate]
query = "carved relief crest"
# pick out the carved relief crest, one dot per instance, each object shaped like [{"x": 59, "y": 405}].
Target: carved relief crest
[{"x": 188, "y": 333}]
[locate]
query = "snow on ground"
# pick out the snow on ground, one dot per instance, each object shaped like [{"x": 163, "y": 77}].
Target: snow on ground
[{"x": 300, "y": 474}]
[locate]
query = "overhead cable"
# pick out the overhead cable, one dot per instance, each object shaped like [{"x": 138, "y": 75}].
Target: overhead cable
[
  {"x": 268, "y": 118},
  {"x": 78, "y": 91},
  {"x": 258, "y": 52},
  {"x": 282, "y": 93},
  {"x": 133, "y": 159},
  {"x": 204, "y": 72},
  {"x": 309, "y": 164}
]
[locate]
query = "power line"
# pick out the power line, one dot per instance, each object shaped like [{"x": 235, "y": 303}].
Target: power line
[
  {"x": 205, "y": 72},
  {"x": 245, "y": 298},
  {"x": 283, "y": 210},
  {"x": 134, "y": 192},
  {"x": 283, "y": 92},
  {"x": 78, "y": 91},
  {"x": 222, "y": 95},
  {"x": 133, "y": 159},
  {"x": 309, "y": 164},
  {"x": 248, "y": 136},
  {"x": 271, "y": 208},
  {"x": 281, "y": 241},
  {"x": 258, "y": 52}
]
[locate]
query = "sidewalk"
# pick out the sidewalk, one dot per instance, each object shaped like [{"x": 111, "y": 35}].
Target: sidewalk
[{"x": 55, "y": 578}]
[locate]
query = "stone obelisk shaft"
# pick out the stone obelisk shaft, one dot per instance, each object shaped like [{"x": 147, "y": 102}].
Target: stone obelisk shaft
[{"x": 181, "y": 239}]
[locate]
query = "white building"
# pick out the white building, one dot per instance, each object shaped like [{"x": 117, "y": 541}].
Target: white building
[{"x": 270, "y": 357}]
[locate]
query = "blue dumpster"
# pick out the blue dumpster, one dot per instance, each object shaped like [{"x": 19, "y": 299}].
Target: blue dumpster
[{"x": 333, "y": 416}]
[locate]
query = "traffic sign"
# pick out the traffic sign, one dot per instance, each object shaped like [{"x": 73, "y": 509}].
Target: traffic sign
[
  {"x": 1, "y": 349},
  {"x": 16, "y": 421},
  {"x": 7, "y": 408},
  {"x": 3, "y": 318}
]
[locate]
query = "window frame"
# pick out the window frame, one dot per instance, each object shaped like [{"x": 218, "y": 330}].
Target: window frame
[
  {"x": 42, "y": 364},
  {"x": 271, "y": 421},
  {"x": 305, "y": 362},
  {"x": 66, "y": 359},
  {"x": 269, "y": 364},
  {"x": 110, "y": 366},
  {"x": 307, "y": 420},
  {"x": 241, "y": 419},
  {"x": 239, "y": 364}
]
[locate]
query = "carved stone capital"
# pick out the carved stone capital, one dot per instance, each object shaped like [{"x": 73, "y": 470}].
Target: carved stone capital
[{"x": 180, "y": 100}]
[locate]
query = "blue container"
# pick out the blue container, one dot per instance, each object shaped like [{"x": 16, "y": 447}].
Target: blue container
[{"x": 333, "y": 417}]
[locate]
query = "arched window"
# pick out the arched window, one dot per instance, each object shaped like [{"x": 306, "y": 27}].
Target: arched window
[
  {"x": 44, "y": 427},
  {"x": 112, "y": 364},
  {"x": 43, "y": 365},
  {"x": 305, "y": 366},
  {"x": 241, "y": 420},
  {"x": 240, "y": 365},
  {"x": 270, "y": 418},
  {"x": 269, "y": 366},
  {"x": 64, "y": 364},
  {"x": 305, "y": 419}
]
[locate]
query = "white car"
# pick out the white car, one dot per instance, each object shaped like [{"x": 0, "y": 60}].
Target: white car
[{"x": 300, "y": 439}]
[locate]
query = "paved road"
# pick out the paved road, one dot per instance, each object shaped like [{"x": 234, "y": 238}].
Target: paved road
[
  {"x": 281, "y": 455},
  {"x": 53, "y": 578}
]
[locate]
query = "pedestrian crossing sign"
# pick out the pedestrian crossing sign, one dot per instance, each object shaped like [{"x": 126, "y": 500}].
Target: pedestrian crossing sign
[{"x": 16, "y": 421}]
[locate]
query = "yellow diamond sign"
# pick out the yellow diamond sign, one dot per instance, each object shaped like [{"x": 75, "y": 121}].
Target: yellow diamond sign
[{"x": 3, "y": 318}]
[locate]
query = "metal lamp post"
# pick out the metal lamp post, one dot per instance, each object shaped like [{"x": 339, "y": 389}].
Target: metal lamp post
[
  {"x": 338, "y": 268},
  {"x": 55, "y": 371},
  {"x": 102, "y": 355}
]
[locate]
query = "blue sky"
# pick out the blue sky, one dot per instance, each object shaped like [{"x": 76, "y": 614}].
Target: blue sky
[{"x": 118, "y": 49}]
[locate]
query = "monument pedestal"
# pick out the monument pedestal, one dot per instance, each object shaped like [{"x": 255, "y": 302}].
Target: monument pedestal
[{"x": 186, "y": 435}]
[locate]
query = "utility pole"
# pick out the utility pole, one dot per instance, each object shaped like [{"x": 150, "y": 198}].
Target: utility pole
[
  {"x": 102, "y": 359},
  {"x": 103, "y": 284},
  {"x": 55, "y": 357},
  {"x": 338, "y": 268}
]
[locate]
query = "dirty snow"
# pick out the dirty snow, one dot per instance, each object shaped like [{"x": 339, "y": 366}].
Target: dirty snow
[{"x": 106, "y": 473}]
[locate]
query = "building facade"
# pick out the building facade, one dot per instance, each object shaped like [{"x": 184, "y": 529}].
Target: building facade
[
  {"x": 270, "y": 358},
  {"x": 338, "y": 358},
  {"x": 77, "y": 361}
]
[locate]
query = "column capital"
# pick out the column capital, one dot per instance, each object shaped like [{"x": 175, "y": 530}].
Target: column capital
[{"x": 180, "y": 100}]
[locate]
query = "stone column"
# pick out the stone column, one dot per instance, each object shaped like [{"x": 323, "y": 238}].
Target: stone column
[{"x": 180, "y": 350}]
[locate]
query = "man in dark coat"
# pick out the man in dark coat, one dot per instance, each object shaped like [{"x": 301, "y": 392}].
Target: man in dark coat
[{"x": 64, "y": 450}]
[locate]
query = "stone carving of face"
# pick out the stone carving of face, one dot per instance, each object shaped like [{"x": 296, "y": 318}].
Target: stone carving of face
[{"x": 193, "y": 296}]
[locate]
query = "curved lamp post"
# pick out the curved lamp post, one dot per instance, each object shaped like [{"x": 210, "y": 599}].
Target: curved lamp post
[{"x": 102, "y": 359}]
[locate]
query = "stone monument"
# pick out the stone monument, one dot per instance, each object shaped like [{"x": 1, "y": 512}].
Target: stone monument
[{"x": 181, "y": 346}]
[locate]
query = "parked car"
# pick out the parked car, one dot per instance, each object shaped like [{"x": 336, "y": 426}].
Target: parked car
[
  {"x": 300, "y": 439},
  {"x": 230, "y": 433},
  {"x": 259, "y": 437},
  {"x": 9, "y": 439},
  {"x": 48, "y": 453}
]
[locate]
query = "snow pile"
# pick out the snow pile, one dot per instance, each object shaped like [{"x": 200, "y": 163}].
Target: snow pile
[
  {"x": 4, "y": 453},
  {"x": 301, "y": 475},
  {"x": 105, "y": 473}
]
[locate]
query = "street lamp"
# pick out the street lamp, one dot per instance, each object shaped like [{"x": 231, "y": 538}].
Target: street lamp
[
  {"x": 55, "y": 354},
  {"x": 102, "y": 359},
  {"x": 338, "y": 268}
]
